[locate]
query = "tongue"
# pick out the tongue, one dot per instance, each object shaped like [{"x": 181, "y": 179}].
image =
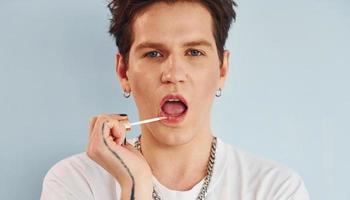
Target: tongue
[{"x": 173, "y": 108}]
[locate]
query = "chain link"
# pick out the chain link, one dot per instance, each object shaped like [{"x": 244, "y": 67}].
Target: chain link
[{"x": 203, "y": 192}]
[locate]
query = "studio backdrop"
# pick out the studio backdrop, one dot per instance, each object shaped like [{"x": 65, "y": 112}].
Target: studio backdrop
[{"x": 286, "y": 98}]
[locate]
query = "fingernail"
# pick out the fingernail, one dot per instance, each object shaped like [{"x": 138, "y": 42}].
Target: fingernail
[
  {"x": 124, "y": 141},
  {"x": 123, "y": 115}
]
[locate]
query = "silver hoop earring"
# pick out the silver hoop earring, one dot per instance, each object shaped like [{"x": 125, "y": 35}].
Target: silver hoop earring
[
  {"x": 126, "y": 94},
  {"x": 218, "y": 92}
]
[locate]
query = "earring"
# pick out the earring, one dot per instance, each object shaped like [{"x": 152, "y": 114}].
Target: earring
[
  {"x": 126, "y": 94},
  {"x": 218, "y": 92}
]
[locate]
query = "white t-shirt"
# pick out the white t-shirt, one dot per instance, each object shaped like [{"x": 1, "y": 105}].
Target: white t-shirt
[{"x": 237, "y": 175}]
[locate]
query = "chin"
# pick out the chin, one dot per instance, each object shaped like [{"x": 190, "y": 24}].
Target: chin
[{"x": 171, "y": 135}]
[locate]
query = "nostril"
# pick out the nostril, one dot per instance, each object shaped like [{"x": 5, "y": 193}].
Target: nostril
[
  {"x": 174, "y": 76},
  {"x": 167, "y": 78}
]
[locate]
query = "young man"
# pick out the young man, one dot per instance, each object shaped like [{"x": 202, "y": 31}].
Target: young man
[{"x": 172, "y": 59}]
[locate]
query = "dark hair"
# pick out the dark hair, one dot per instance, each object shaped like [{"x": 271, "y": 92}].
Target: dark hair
[{"x": 123, "y": 12}]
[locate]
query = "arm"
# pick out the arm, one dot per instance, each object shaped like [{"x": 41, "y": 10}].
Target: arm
[
  {"x": 108, "y": 149},
  {"x": 55, "y": 189},
  {"x": 300, "y": 192}
]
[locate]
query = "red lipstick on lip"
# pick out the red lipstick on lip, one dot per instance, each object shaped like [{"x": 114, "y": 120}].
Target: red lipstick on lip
[{"x": 173, "y": 118}]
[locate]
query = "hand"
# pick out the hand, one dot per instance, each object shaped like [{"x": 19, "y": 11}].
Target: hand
[{"x": 106, "y": 147}]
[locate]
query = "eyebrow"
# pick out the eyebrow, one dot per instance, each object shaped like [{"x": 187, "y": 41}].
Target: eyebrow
[
  {"x": 198, "y": 43},
  {"x": 157, "y": 45}
]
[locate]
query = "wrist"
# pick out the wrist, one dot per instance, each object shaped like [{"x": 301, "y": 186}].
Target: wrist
[{"x": 143, "y": 188}]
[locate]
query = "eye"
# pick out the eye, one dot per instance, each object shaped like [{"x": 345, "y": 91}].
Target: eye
[
  {"x": 153, "y": 54},
  {"x": 194, "y": 52}
]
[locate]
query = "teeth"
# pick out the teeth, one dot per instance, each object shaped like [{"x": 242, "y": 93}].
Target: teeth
[{"x": 172, "y": 100}]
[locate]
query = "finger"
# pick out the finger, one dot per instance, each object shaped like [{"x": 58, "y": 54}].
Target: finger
[
  {"x": 96, "y": 137},
  {"x": 119, "y": 117},
  {"x": 114, "y": 131},
  {"x": 92, "y": 124},
  {"x": 106, "y": 129},
  {"x": 97, "y": 129},
  {"x": 109, "y": 122},
  {"x": 114, "y": 135},
  {"x": 111, "y": 117},
  {"x": 118, "y": 133}
]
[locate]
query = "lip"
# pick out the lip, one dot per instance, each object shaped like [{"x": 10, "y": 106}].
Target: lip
[{"x": 172, "y": 119}]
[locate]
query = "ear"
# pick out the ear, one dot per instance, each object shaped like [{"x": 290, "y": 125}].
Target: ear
[
  {"x": 121, "y": 71},
  {"x": 224, "y": 68}
]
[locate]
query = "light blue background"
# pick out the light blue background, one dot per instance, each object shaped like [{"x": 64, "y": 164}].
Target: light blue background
[{"x": 287, "y": 97}]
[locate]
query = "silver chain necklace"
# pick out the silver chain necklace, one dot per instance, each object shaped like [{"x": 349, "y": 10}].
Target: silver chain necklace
[{"x": 203, "y": 192}]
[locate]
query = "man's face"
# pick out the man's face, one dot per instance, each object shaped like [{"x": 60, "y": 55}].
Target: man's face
[{"x": 174, "y": 52}]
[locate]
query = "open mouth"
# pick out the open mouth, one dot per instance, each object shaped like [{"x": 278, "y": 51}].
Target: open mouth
[{"x": 174, "y": 107}]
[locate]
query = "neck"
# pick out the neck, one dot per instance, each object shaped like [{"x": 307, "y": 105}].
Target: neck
[{"x": 180, "y": 166}]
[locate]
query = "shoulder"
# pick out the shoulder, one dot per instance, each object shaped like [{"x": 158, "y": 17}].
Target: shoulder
[
  {"x": 259, "y": 175},
  {"x": 77, "y": 176},
  {"x": 74, "y": 167}
]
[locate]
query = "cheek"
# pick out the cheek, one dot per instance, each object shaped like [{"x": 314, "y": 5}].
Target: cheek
[
  {"x": 207, "y": 84},
  {"x": 139, "y": 77},
  {"x": 143, "y": 86},
  {"x": 140, "y": 84}
]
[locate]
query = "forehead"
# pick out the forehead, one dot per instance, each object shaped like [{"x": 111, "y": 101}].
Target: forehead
[{"x": 173, "y": 23}]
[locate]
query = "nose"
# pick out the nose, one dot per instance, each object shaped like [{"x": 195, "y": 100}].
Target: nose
[{"x": 174, "y": 71}]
